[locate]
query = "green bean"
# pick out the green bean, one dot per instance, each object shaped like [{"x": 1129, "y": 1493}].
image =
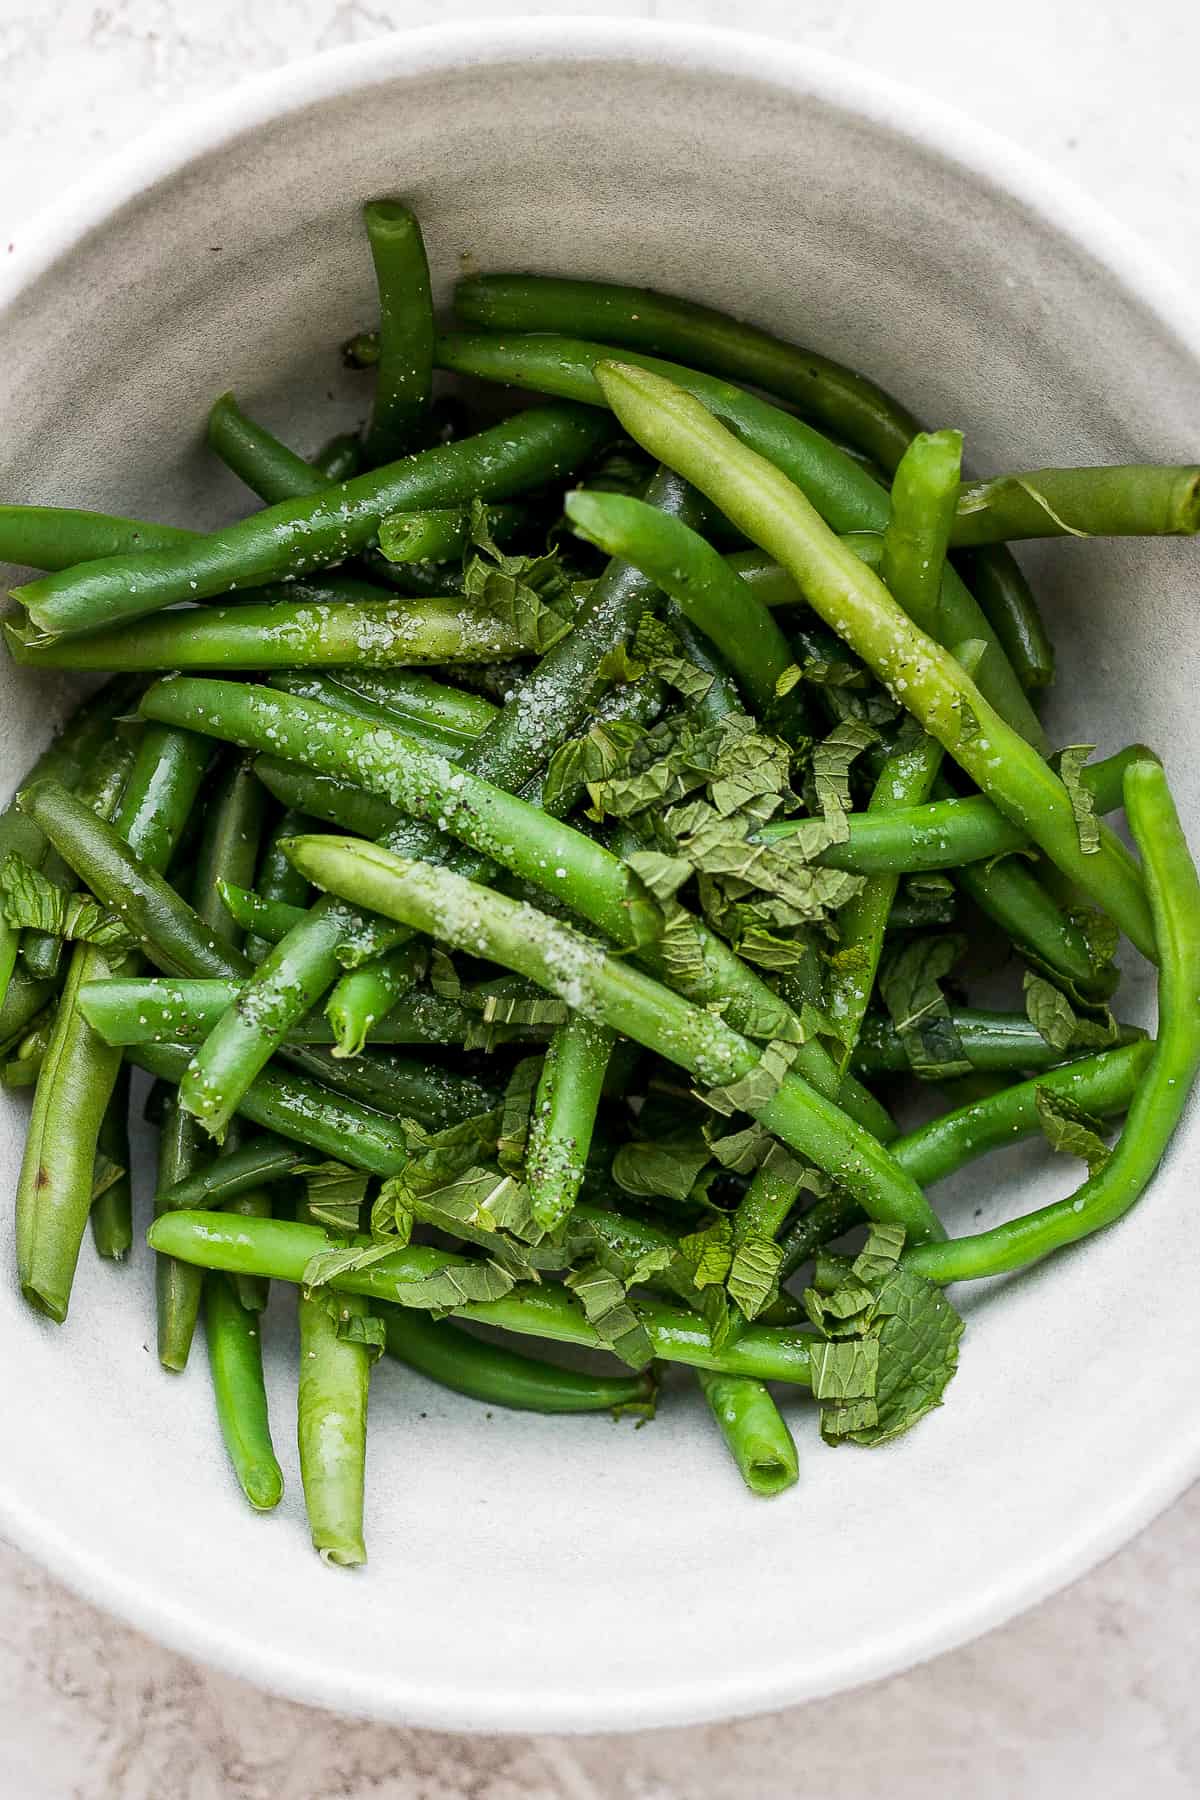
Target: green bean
[
  {"x": 830, "y": 395},
  {"x": 1163, "y": 1090},
  {"x": 100, "y": 787},
  {"x": 282, "y": 635},
  {"x": 79, "y": 1072},
  {"x": 499, "y": 826},
  {"x": 184, "y": 1011},
  {"x": 229, "y": 852},
  {"x": 112, "y": 1207},
  {"x": 409, "y": 698},
  {"x": 404, "y": 372},
  {"x": 291, "y": 1105},
  {"x": 25, "y": 999},
  {"x": 256, "y": 1161},
  {"x": 1002, "y": 591},
  {"x": 443, "y": 534},
  {"x": 310, "y": 532},
  {"x": 989, "y": 1040},
  {"x": 276, "y": 883},
  {"x": 326, "y": 798},
  {"x": 1102, "y": 1085},
  {"x": 268, "y": 467},
  {"x": 755, "y": 1431},
  {"x": 179, "y": 1285},
  {"x": 917, "y": 536},
  {"x": 283, "y": 1251},
  {"x": 500, "y": 1376},
  {"x": 1009, "y": 892},
  {"x": 235, "y": 1360},
  {"x": 609, "y": 992},
  {"x": 266, "y": 920},
  {"x": 161, "y": 922},
  {"x": 564, "y": 1116},
  {"x": 331, "y": 1425},
  {"x": 58, "y": 537},
  {"x": 369, "y": 996},
  {"x": 681, "y": 562},
  {"x": 229, "y": 848},
  {"x": 340, "y": 457},
  {"x": 1142, "y": 500},
  {"x": 399, "y": 1086},
  {"x": 843, "y": 493},
  {"x": 947, "y": 833},
  {"x": 852, "y": 600}
]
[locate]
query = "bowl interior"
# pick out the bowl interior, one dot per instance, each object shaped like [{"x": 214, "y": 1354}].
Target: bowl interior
[{"x": 574, "y": 1573}]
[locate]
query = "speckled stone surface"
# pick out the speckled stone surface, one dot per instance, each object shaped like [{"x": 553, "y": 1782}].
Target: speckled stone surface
[{"x": 1092, "y": 1693}]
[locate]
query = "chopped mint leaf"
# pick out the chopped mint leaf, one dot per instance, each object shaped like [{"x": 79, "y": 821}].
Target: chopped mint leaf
[
  {"x": 758, "y": 1085},
  {"x": 602, "y": 1296},
  {"x": 1070, "y": 769},
  {"x": 831, "y": 762},
  {"x": 753, "y": 1279},
  {"x": 667, "y": 1166},
  {"x": 707, "y": 1255},
  {"x": 657, "y": 648},
  {"x": 1069, "y": 1129},
  {"x": 334, "y": 1194},
  {"x": 910, "y": 979}
]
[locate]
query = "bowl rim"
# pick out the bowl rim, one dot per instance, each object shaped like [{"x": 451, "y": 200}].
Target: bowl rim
[{"x": 1054, "y": 200}]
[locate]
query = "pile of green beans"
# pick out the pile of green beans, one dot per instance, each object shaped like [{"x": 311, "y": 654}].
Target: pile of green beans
[{"x": 532, "y": 900}]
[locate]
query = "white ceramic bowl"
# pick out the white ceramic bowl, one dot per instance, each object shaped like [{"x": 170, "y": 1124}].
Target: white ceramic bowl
[{"x": 541, "y": 1574}]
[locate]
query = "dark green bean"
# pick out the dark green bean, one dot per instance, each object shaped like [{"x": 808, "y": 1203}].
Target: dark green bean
[
  {"x": 64, "y": 759},
  {"x": 1142, "y": 500},
  {"x": 325, "y": 797},
  {"x": 834, "y": 397},
  {"x": 54, "y": 1192},
  {"x": 500, "y": 1376},
  {"x": 256, "y": 1161},
  {"x": 340, "y": 458},
  {"x": 100, "y": 787},
  {"x": 268, "y": 467},
  {"x": 276, "y": 883},
  {"x": 404, "y": 372},
  {"x": 288, "y": 1103},
  {"x": 266, "y": 920},
  {"x": 992, "y": 574},
  {"x": 314, "y": 531},
  {"x": 112, "y": 1207},
  {"x": 990, "y": 1040}
]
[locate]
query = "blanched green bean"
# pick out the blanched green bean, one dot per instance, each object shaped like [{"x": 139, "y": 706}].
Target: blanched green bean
[
  {"x": 404, "y": 372},
  {"x": 755, "y": 1431},
  {"x": 235, "y": 1360},
  {"x": 501, "y": 1376}
]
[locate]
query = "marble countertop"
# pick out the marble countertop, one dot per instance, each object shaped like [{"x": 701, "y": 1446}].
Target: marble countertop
[{"x": 1090, "y": 1694}]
